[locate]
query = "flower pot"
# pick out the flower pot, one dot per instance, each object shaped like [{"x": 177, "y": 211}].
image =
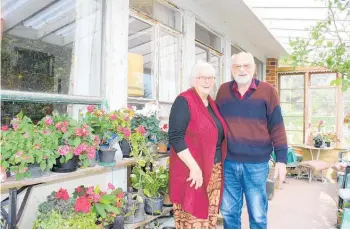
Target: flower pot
[
  {"x": 166, "y": 201},
  {"x": 154, "y": 206},
  {"x": 107, "y": 155},
  {"x": 125, "y": 147},
  {"x": 318, "y": 144},
  {"x": 328, "y": 144},
  {"x": 118, "y": 222},
  {"x": 162, "y": 148},
  {"x": 69, "y": 166},
  {"x": 35, "y": 170}
]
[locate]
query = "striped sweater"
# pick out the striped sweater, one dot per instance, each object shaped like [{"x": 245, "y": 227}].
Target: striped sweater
[{"x": 255, "y": 123}]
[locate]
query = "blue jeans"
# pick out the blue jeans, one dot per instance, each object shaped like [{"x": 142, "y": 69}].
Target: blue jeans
[{"x": 250, "y": 179}]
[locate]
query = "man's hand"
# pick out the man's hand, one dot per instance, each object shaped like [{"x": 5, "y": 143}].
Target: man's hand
[
  {"x": 196, "y": 177},
  {"x": 280, "y": 172}
]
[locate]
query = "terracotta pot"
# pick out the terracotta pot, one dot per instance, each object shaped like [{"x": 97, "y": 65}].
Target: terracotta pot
[
  {"x": 166, "y": 201},
  {"x": 162, "y": 148}
]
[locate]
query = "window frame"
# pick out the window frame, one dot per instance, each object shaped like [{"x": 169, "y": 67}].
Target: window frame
[{"x": 307, "y": 100}]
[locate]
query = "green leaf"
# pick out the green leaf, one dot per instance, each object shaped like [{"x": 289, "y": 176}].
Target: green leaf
[
  {"x": 113, "y": 209},
  {"x": 101, "y": 210},
  {"x": 97, "y": 189},
  {"x": 43, "y": 165},
  {"x": 77, "y": 141},
  {"x": 329, "y": 43}
]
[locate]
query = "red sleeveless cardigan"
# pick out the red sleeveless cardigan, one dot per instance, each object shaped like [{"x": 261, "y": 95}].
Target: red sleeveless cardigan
[{"x": 201, "y": 138}]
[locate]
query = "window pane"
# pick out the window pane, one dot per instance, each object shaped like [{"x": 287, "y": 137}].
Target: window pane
[
  {"x": 47, "y": 50},
  {"x": 295, "y": 137},
  {"x": 322, "y": 109},
  {"x": 291, "y": 81},
  {"x": 36, "y": 111},
  {"x": 234, "y": 50},
  {"x": 164, "y": 112},
  {"x": 164, "y": 13},
  {"x": 330, "y": 122},
  {"x": 325, "y": 95},
  {"x": 292, "y": 96},
  {"x": 140, "y": 59},
  {"x": 201, "y": 54},
  {"x": 259, "y": 69},
  {"x": 295, "y": 109},
  {"x": 322, "y": 79},
  {"x": 215, "y": 61},
  {"x": 294, "y": 123},
  {"x": 206, "y": 37},
  {"x": 169, "y": 67}
]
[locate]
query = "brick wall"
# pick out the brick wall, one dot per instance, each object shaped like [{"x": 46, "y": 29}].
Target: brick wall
[{"x": 271, "y": 71}]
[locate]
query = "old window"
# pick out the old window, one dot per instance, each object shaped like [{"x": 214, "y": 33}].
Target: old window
[{"x": 50, "y": 53}]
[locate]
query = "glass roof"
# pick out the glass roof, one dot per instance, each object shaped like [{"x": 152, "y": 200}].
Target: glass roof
[{"x": 293, "y": 18}]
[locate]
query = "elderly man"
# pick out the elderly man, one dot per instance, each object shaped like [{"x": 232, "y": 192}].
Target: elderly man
[{"x": 253, "y": 115}]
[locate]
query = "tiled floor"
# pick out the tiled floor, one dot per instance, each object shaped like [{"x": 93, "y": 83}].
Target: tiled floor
[{"x": 299, "y": 204}]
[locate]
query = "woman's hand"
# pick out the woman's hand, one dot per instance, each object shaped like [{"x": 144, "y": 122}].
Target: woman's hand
[{"x": 196, "y": 177}]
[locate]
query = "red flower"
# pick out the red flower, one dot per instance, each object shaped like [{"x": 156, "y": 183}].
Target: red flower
[
  {"x": 127, "y": 132},
  {"x": 120, "y": 195},
  {"x": 5, "y": 128},
  {"x": 79, "y": 189},
  {"x": 90, "y": 190},
  {"x": 62, "y": 194},
  {"x": 165, "y": 126},
  {"x": 90, "y": 108},
  {"x": 111, "y": 186},
  {"x": 78, "y": 132},
  {"x": 141, "y": 130},
  {"x": 82, "y": 204},
  {"x": 118, "y": 204},
  {"x": 113, "y": 117}
]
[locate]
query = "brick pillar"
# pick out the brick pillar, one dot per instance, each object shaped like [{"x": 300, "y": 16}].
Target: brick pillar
[{"x": 271, "y": 71}]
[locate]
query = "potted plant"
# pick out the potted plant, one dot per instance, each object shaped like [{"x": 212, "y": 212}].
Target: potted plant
[
  {"x": 163, "y": 139},
  {"x": 16, "y": 147},
  {"x": 326, "y": 139},
  {"x": 135, "y": 206},
  {"x": 151, "y": 183},
  {"x": 109, "y": 206},
  {"x": 318, "y": 140},
  {"x": 150, "y": 123},
  {"x": 77, "y": 143},
  {"x": 59, "y": 212}
]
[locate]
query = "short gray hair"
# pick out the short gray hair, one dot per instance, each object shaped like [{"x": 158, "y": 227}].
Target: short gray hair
[
  {"x": 250, "y": 56},
  {"x": 201, "y": 66}
]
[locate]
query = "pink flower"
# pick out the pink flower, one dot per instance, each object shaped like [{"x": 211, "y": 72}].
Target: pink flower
[
  {"x": 126, "y": 118},
  {"x": 113, "y": 117},
  {"x": 46, "y": 132},
  {"x": 15, "y": 126},
  {"x": 82, "y": 204},
  {"x": 64, "y": 129},
  {"x": 127, "y": 132},
  {"x": 78, "y": 132},
  {"x": 5, "y": 128},
  {"x": 91, "y": 152},
  {"x": 25, "y": 135},
  {"x": 111, "y": 186},
  {"x": 85, "y": 132},
  {"x": 90, "y": 190},
  {"x": 45, "y": 157},
  {"x": 65, "y": 123},
  {"x": 48, "y": 121},
  {"x": 120, "y": 129},
  {"x": 37, "y": 146},
  {"x": 59, "y": 125},
  {"x": 19, "y": 153},
  {"x": 90, "y": 108},
  {"x": 96, "y": 198},
  {"x": 96, "y": 141},
  {"x": 141, "y": 130},
  {"x": 64, "y": 150}
]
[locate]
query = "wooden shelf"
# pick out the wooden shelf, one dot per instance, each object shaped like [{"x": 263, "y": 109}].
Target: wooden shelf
[
  {"x": 166, "y": 211},
  {"x": 50, "y": 177}
]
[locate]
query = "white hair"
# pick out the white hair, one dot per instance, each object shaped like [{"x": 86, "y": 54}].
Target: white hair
[
  {"x": 202, "y": 67},
  {"x": 250, "y": 57}
]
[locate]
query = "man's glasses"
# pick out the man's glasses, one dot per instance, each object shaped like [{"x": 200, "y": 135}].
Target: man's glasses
[{"x": 245, "y": 66}]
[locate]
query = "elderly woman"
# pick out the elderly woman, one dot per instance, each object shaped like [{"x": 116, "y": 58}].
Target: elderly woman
[{"x": 198, "y": 149}]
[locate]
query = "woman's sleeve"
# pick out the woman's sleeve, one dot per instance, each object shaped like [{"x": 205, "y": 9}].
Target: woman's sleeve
[{"x": 178, "y": 122}]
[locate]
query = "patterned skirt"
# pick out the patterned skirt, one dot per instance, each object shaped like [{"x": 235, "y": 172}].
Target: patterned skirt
[{"x": 184, "y": 220}]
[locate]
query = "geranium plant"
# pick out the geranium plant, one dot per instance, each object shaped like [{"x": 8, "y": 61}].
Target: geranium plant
[
  {"x": 121, "y": 122},
  {"x": 77, "y": 140},
  {"x": 17, "y": 146}
]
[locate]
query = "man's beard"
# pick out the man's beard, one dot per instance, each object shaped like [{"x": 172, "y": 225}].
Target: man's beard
[{"x": 243, "y": 80}]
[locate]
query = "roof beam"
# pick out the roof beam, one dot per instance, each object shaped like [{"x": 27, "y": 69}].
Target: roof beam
[
  {"x": 292, "y": 7},
  {"x": 139, "y": 33},
  {"x": 57, "y": 25},
  {"x": 26, "y": 11},
  {"x": 300, "y": 19},
  {"x": 306, "y": 30}
]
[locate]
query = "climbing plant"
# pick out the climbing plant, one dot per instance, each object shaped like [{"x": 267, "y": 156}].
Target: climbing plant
[{"x": 318, "y": 50}]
